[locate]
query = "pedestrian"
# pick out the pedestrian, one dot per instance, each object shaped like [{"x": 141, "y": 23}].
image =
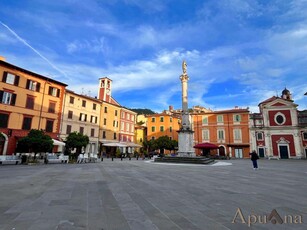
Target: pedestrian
[{"x": 254, "y": 158}]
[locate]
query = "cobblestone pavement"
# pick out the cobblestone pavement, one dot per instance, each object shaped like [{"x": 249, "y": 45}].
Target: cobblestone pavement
[{"x": 141, "y": 195}]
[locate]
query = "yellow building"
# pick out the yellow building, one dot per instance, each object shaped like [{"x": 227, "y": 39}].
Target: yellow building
[
  {"x": 141, "y": 129},
  {"x": 27, "y": 101},
  {"x": 116, "y": 122},
  {"x": 81, "y": 114}
]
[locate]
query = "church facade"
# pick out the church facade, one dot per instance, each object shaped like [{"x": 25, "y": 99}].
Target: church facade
[{"x": 279, "y": 130}]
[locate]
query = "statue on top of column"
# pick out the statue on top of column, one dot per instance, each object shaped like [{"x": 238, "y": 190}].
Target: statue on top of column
[{"x": 184, "y": 67}]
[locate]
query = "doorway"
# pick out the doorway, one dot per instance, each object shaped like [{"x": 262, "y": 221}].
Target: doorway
[
  {"x": 221, "y": 151},
  {"x": 238, "y": 153},
  {"x": 261, "y": 152},
  {"x": 283, "y": 152}
]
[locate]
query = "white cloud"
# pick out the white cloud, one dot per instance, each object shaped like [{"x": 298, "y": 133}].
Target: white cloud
[{"x": 92, "y": 46}]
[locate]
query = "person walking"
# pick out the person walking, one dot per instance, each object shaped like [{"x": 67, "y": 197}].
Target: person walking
[{"x": 254, "y": 158}]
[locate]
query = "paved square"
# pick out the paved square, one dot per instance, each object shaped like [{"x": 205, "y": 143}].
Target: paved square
[{"x": 140, "y": 195}]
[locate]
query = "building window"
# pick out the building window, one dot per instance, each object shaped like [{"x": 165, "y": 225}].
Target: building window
[
  {"x": 132, "y": 117},
  {"x": 26, "y": 125},
  {"x": 81, "y": 130},
  {"x": 71, "y": 100},
  {"x": 92, "y": 132},
  {"x": 105, "y": 109},
  {"x": 49, "y": 126},
  {"x": 54, "y": 91},
  {"x": 161, "y": 119},
  {"x": 114, "y": 136},
  {"x": 30, "y": 102},
  {"x": 236, "y": 117},
  {"x": 170, "y": 129},
  {"x": 260, "y": 136},
  {"x": 205, "y": 135},
  {"x": 82, "y": 117},
  {"x": 237, "y": 134},
  {"x": 104, "y": 121},
  {"x": 51, "y": 108},
  {"x": 161, "y": 128},
  {"x": 115, "y": 112},
  {"x": 122, "y": 126},
  {"x": 33, "y": 85},
  {"x": 4, "y": 119},
  {"x": 153, "y": 119},
  {"x": 104, "y": 134},
  {"x": 205, "y": 120},
  {"x": 127, "y": 127},
  {"x": 70, "y": 114},
  {"x": 280, "y": 118},
  {"x": 220, "y": 134},
  {"x": 83, "y": 103},
  {"x": 10, "y": 78},
  {"x": 305, "y": 135},
  {"x": 220, "y": 118},
  {"x": 171, "y": 119},
  {"x": 93, "y": 119},
  {"x": 7, "y": 98},
  {"x": 68, "y": 129},
  {"x": 94, "y": 106},
  {"x": 153, "y": 138},
  {"x": 153, "y": 129},
  {"x": 123, "y": 114}
]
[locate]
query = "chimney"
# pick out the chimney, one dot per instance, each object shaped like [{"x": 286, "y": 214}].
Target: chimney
[{"x": 170, "y": 108}]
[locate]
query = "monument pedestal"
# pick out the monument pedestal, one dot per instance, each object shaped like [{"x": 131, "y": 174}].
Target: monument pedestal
[{"x": 185, "y": 143}]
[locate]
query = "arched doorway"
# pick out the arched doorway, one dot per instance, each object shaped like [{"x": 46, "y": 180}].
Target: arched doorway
[
  {"x": 221, "y": 151},
  {"x": 2, "y": 143}
]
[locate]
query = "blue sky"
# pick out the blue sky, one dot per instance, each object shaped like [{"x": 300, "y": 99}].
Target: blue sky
[{"x": 238, "y": 52}]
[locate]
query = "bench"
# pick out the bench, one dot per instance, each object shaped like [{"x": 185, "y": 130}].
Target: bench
[
  {"x": 54, "y": 159},
  {"x": 9, "y": 159}
]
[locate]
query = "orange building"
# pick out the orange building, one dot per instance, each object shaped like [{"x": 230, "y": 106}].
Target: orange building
[
  {"x": 27, "y": 101},
  {"x": 228, "y": 129},
  {"x": 163, "y": 124}
]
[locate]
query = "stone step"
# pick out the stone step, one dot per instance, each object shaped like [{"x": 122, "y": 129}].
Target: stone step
[{"x": 187, "y": 160}]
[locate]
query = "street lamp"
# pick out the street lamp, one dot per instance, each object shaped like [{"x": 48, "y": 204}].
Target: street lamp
[{"x": 42, "y": 104}]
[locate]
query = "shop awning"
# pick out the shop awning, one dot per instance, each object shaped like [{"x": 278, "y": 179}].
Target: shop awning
[
  {"x": 59, "y": 143},
  {"x": 206, "y": 145}
]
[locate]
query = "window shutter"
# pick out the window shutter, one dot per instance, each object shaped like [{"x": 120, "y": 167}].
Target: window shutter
[
  {"x": 50, "y": 90},
  {"x": 4, "y": 76},
  {"x": 13, "y": 100},
  {"x": 28, "y": 84},
  {"x": 85, "y": 117},
  {"x": 16, "y": 82},
  {"x": 38, "y": 86},
  {"x": 1, "y": 95},
  {"x": 58, "y": 93},
  {"x": 80, "y": 117},
  {"x": 95, "y": 120}
]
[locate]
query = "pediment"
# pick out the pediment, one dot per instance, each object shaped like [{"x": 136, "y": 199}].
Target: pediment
[{"x": 279, "y": 104}]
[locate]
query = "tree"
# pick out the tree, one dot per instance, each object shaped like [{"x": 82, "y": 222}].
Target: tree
[
  {"x": 149, "y": 145},
  {"x": 164, "y": 143},
  {"x": 76, "y": 140},
  {"x": 173, "y": 145},
  {"x": 36, "y": 141}
]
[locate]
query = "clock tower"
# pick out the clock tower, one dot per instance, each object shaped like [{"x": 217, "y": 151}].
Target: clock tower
[{"x": 105, "y": 89}]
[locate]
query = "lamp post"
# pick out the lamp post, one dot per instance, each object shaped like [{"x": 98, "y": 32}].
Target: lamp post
[{"x": 42, "y": 104}]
